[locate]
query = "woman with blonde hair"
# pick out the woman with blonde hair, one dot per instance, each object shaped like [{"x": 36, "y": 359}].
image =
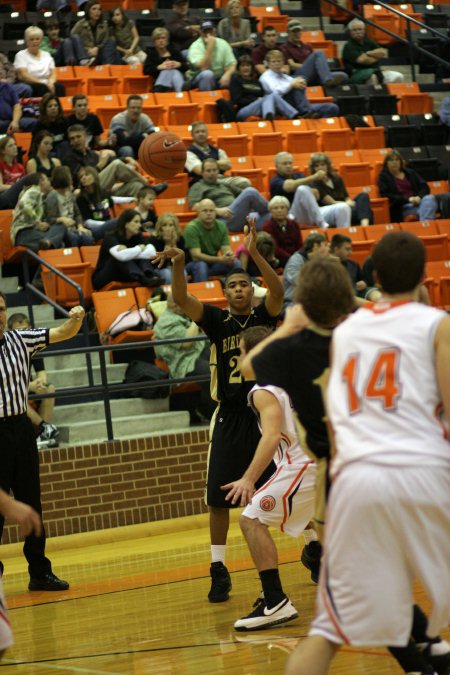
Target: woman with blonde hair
[
  {"x": 165, "y": 63},
  {"x": 236, "y": 30},
  {"x": 168, "y": 235},
  {"x": 36, "y": 67}
]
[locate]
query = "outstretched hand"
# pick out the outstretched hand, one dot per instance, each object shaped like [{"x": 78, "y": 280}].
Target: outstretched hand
[
  {"x": 172, "y": 253},
  {"x": 241, "y": 491},
  {"x": 250, "y": 235}
]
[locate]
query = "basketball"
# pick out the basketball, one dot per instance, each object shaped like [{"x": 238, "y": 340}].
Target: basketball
[{"x": 162, "y": 155}]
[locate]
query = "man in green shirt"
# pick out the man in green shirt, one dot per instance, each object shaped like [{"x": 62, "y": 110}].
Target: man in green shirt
[
  {"x": 232, "y": 204},
  {"x": 361, "y": 58},
  {"x": 212, "y": 60},
  {"x": 205, "y": 236}
]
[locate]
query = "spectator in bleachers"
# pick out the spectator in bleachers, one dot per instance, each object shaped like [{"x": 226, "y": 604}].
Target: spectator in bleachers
[
  {"x": 297, "y": 188},
  {"x": 212, "y": 60},
  {"x": 304, "y": 61},
  {"x": 235, "y": 29},
  {"x": 40, "y": 158},
  {"x": 249, "y": 97},
  {"x": 265, "y": 245},
  {"x": 144, "y": 206},
  {"x": 40, "y": 411},
  {"x": 164, "y": 63},
  {"x": 112, "y": 171},
  {"x": 11, "y": 118},
  {"x": 131, "y": 127},
  {"x": 10, "y": 169},
  {"x": 61, "y": 207},
  {"x": 125, "y": 255},
  {"x": 315, "y": 245},
  {"x": 51, "y": 118},
  {"x": 94, "y": 203},
  {"x": 204, "y": 237},
  {"x": 183, "y": 27},
  {"x": 233, "y": 204},
  {"x": 93, "y": 32},
  {"x": 408, "y": 193},
  {"x": 200, "y": 150},
  {"x": 333, "y": 190},
  {"x": 36, "y": 67},
  {"x": 292, "y": 89},
  {"x": 167, "y": 235},
  {"x": 259, "y": 53},
  {"x": 8, "y": 74},
  {"x": 91, "y": 122},
  {"x": 28, "y": 227},
  {"x": 65, "y": 51},
  {"x": 284, "y": 230},
  {"x": 341, "y": 248},
  {"x": 184, "y": 359},
  {"x": 124, "y": 33},
  {"x": 361, "y": 57}
]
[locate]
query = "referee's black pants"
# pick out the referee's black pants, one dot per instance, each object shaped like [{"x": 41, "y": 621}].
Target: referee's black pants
[{"x": 19, "y": 472}]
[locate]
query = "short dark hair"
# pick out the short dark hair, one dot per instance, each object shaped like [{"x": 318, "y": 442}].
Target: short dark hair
[
  {"x": 339, "y": 239},
  {"x": 311, "y": 240},
  {"x": 79, "y": 97},
  {"x": 252, "y": 336},
  {"x": 134, "y": 97},
  {"x": 268, "y": 29},
  {"x": 399, "y": 262},
  {"x": 233, "y": 272},
  {"x": 324, "y": 290},
  {"x": 144, "y": 191},
  {"x": 51, "y": 22},
  {"x": 61, "y": 177},
  {"x": 209, "y": 160},
  {"x": 76, "y": 128},
  {"x": 15, "y": 318}
]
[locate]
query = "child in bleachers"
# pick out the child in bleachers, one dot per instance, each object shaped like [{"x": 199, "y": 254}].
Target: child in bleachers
[
  {"x": 94, "y": 203},
  {"x": 65, "y": 51},
  {"x": 265, "y": 244},
  {"x": 61, "y": 207},
  {"x": 145, "y": 199},
  {"x": 126, "y": 37}
]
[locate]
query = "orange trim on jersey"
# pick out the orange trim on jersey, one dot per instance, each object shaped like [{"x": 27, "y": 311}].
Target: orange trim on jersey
[
  {"x": 382, "y": 306},
  {"x": 285, "y": 437},
  {"x": 290, "y": 489},
  {"x": 324, "y": 589}
]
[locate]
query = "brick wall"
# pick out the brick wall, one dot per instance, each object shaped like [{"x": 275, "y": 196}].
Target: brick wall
[{"x": 92, "y": 487}]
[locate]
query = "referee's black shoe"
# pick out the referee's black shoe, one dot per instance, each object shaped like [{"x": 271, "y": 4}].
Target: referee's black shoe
[
  {"x": 220, "y": 583},
  {"x": 49, "y": 582},
  {"x": 310, "y": 558}
]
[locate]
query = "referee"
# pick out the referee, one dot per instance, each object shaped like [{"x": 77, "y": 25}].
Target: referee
[{"x": 19, "y": 461}]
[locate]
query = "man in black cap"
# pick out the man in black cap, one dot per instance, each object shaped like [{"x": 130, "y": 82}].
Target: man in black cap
[
  {"x": 183, "y": 27},
  {"x": 304, "y": 61},
  {"x": 212, "y": 60}
]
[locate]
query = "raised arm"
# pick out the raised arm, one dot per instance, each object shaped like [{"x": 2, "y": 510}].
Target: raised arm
[
  {"x": 242, "y": 490},
  {"x": 190, "y": 305},
  {"x": 69, "y": 328},
  {"x": 275, "y": 295}
]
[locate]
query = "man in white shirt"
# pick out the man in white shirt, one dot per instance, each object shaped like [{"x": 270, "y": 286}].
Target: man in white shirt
[{"x": 292, "y": 89}]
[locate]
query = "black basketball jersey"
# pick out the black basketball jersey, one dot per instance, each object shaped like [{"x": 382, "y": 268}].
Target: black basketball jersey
[
  {"x": 299, "y": 364},
  {"x": 223, "y": 329}
]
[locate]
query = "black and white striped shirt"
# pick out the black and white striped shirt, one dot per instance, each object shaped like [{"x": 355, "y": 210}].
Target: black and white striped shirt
[{"x": 16, "y": 349}]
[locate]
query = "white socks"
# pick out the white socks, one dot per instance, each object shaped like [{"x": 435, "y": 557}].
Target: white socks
[{"x": 218, "y": 553}]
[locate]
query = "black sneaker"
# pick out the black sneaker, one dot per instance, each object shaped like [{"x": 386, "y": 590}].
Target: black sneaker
[
  {"x": 220, "y": 583},
  {"x": 263, "y": 617},
  {"x": 310, "y": 558},
  {"x": 159, "y": 188},
  {"x": 437, "y": 653},
  {"x": 49, "y": 582}
]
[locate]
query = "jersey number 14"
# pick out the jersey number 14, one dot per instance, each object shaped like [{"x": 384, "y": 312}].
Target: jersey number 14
[{"x": 381, "y": 384}]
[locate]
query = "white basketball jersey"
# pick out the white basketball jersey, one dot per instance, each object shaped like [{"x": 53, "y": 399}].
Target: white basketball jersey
[
  {"x": 383, "y": 399},
  {"x": 289, "y": 450}
]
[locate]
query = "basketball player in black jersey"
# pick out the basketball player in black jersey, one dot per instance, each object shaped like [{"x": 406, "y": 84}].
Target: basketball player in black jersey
[{"x": 235, "y": 434}]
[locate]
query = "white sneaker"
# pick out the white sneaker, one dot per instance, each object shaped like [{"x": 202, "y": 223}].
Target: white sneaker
[{"x": 263, "y": 617}]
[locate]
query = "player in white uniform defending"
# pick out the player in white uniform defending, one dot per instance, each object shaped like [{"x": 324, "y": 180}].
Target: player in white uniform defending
[
  {"x": 29, "y": 521},
  {"x": 390, "y": 500},
  {"x": 285, "y": 501}
]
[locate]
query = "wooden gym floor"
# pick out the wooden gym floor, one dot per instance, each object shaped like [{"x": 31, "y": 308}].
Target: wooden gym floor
[{"x": 137, "y": 606}]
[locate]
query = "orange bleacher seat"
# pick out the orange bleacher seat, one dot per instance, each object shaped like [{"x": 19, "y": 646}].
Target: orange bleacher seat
[
  {"x": 263, "y": 162},
  {"x": 90, "y": 254},
  {"x": 198, "y": 96},
  {"x": 336, "y": 139},
  {"x": 138, "y": 4},
  {"x": 182, "y": 113},
  {"x": 135, "y": 84},
  {"x": 436, "y": 270},
  {"x": 380, "y": 208},
  {"x": 64, "y": 71},
  {"x": 376, "y": 232},
  {"x": 104, "y": 85},
  {"x": 444, "y": 293},
  {"x": 339, "y": 157},
  {"x": 438, "y": 186},
  {"x": 372, "y": 190},
  {"x": 86, "y": 72},
  {"x": 68, "y": 261},
  {"x": 174, "y": 205},
  {"x": 278, "y": 22},
  {"x": 106, "y": 113},
  {"x": 208, "y": 291},
  {"x": 185, "y": 218},
  {"x": 156, "y": 114},
  {"x": 148, "y": 99},
  {"x": 421, "y": 228},
  {"x": 236, "y": 239},
  {"x": 327, "y": 46},
  {"x": 178, "y": 186},
  {"x": 355, "y": 232},
  {"x": 23, "y": 140},
  {"x": 369, "y": 137},
  {"x": 361, "y": 250},
  {"x": 328, "y": 123},
  {"x": 292, "y": 125},
  {"x": 436, "y": 244},
  {"x": 9, "y": 252},
  {"x": 256, "y": 176},
  {"x": 242, "y": 163},
  {"x": 225, "y": 129},
  {"x": 415, "y": 104},
  {"x": 255, "y": 127},
  {"x": 399, "y": 88},
  {"x": 443, "y": 226},
  {"x": 73, "y": 85},
  {"x": 108, "y": 305},
  {"x": 168, "y": 97},
  {"x": 309, "y": 36},
  {"x": 267, "y": 144},
  {"x": 234, "y": 146},
  {"x": 355, "y": 174},
  {"x": 302, "y": 141}
]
